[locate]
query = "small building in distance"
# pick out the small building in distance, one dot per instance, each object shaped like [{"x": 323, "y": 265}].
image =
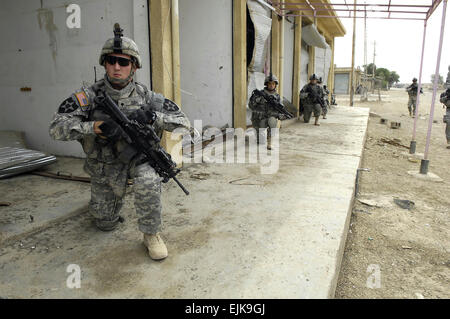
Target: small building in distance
[{"x": 342, "y": 79}]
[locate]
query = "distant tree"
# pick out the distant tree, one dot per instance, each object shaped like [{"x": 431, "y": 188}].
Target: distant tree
[
  {"x": 440, "y": 81},
  {"x": 370, "y": 68},
  {"x": 393, "y": 78},
  {"x": 383, "y": 72}
]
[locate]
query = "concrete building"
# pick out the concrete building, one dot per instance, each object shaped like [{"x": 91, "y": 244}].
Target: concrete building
[
  {"x": 206, "y": 55},
  {"x": 342, "y": 77}
]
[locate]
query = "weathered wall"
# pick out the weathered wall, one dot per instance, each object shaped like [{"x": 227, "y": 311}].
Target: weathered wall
[
  {"x": 206, "y": 62},
  {"x": 44, "y": 54},
  {"x": 341, "y": 83},
  {"x": 288, "y": 58},
  {"x": 304, "y": 61},
  {"x": 323, "y": 63}
]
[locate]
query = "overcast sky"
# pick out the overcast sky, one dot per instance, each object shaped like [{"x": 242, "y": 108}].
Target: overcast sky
[{"x": 399, "y": 45}]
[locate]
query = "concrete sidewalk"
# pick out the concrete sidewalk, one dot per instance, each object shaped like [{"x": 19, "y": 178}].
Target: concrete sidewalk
[{"x": 240, "y": 234}]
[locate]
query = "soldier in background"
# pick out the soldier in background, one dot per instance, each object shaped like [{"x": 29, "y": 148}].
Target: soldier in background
[
  {"x": 110, "y": 161},
  {"x": 264, "y": 116},
  {"x": 311, "y": 97},
  {"x": 325, "y": 93},
  {"x": 412, "y": 92},
  {"x": 445, "y": 99}
]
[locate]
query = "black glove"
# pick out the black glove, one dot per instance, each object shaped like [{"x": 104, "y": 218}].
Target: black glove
[
  {"x": 111, "y": 130},
  {"x": 143, "y": 116}
]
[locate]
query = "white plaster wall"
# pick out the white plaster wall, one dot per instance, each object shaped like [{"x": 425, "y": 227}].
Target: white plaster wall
[
  {"x": 53, "y": 60},
  {"x": 206, "y": 60},
  {"x": 304, "y": 61},
  {"x": 288, "y": 69}
]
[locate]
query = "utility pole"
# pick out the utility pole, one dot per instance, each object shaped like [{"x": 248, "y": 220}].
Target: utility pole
[
  {"x": 352, "y": 75},
  {"x": 365, "y": 42},
  {"x": 373, "y": 65}
]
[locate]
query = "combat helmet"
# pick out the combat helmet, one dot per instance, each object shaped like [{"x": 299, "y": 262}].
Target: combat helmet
[
  {"x": 313, "y": 77},
  {"x": 270, "y": 78},
  {"x": 415, "y": 80},
  {"x": 121, "y": 44}
]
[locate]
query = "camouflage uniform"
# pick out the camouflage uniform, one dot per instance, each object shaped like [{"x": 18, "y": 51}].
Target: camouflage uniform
[
  {"x": 325, "y": 94},
  {"x": 307, "y": 100},
  {"x": 412, "y": 92},
  {"x": 445, "y": 99},
  {"x": 109, "y": 164},
  {"x": 263, "y": 116}
]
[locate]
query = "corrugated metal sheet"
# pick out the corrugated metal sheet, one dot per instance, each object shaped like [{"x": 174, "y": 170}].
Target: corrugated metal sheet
[{"x": 312, "y": 37}]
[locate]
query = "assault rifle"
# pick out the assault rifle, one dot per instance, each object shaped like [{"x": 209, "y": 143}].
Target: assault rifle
[
  {"x": 143, "y": 139},
  {"x": 277, "y": 106},
  {"x": 316, "y": 98},
  {"x": 414, "y": 88}
]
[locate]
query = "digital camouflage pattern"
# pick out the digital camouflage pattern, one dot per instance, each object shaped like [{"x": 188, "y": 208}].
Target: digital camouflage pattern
[
  {"x": 445, "y": 99},
  {"x": 412, "y": 93},
  {"x": 309, "y": 106},
  {"x": 325, "y": 94},
  {"x": 129, "y": 47},
  {"x": 263, "y": 115},
  {"x": 105, "y": 163}
]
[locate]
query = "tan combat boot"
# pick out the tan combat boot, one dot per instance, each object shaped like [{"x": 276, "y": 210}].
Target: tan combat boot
[
  {"x": 317, "y": 122},
  {"x": 269, "y": 143},
  {"x": 156, "y": 247}
]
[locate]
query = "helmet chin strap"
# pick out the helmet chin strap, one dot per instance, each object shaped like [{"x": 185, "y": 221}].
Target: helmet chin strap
[
  {"x": 267, "y": 88},
  {"x": 121, "y": 82}
]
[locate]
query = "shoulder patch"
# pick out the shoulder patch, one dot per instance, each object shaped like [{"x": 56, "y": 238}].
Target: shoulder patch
[
  {"x": 68, "y": 106},
  {"x": 82, "y": 100},
  {"x": 170, "y": 106}
]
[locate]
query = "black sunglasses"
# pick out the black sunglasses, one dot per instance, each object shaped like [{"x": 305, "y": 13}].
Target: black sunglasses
[{"x": 111, "y": 59}]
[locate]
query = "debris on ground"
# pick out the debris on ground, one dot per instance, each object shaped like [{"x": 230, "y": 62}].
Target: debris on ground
[
  {"x": 62, "y": 175},
  {"x": 200, "y": 176},
  {"x": 234, "y": 182},
  {"x": 5, "y": 204},
  {"x": 14, "y": 161},
  {"x": 369, "y": 202},
  {"x": 393, "y": 141},
  {"x": 404, "y": 203}
]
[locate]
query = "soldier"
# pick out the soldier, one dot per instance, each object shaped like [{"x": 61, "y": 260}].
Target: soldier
[
  {"x": 109, "y": 160},
  {"x": 445, "y": 99},
  {"x": 311, "y": 97},
  {"x": 263, "y": 115},
  {"x": 412, "y": 92},
  {"x": 325, "y": 93}
]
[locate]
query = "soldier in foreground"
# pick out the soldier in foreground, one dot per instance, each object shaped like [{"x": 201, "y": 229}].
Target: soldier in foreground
[
  {"x": 412, "y": 92},
  {"x": 445, "y": 99},
  {"x": 110, "y": 160},
  {"x": 264, "y": 115},
  {"x": 311, "y": 97}
]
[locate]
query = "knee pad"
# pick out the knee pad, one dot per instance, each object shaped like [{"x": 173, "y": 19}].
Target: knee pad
[{"x": 272, "y": 122}]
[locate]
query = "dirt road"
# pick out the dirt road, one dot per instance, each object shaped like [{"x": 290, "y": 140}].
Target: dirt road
[{"x": 393, "y": 252}]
